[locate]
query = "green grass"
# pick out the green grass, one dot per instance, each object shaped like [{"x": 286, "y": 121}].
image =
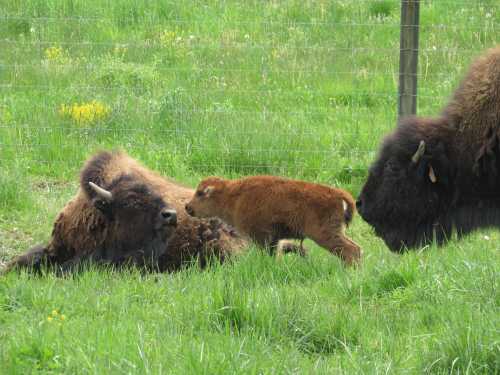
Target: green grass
[
  {"x": 298, "y": 88},
  {"x": 417, "y": 313}
]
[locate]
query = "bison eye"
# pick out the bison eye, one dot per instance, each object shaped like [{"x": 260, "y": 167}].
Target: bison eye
[
  {"x": 101, "y": 204},
  {"x": 133, "y": 204},
  {"x": 390, "y": 167},
  {"x": 199, "y": 193}
]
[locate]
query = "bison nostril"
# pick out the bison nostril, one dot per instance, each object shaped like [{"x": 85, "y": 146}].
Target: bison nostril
[
  {"x": 189, "y": 210},
  {"x": 170, "y": 216}
]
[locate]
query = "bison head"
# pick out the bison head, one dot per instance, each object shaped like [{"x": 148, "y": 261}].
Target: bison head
[
  {"x": 137, "y": 222},
  {"x": 206, "y": 202},
  {"x": 407, "y": 188}
]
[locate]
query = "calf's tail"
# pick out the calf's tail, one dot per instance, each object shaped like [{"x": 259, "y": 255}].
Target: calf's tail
[{"x": 349, "y": 208}]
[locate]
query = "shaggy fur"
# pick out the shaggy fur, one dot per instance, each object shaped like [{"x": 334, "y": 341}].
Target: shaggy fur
[
  {"x": 401, "y": 200},
  {"x": 126, "y": 232},
  {"x": 269, "y": 209}
]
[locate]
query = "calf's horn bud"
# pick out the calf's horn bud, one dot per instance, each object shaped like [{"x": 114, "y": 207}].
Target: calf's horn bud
[
  {"x": 103, "y": 193},
  {"x": 420, "y": 151}
]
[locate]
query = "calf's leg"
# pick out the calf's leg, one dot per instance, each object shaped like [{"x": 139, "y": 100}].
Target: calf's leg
[
  {"x": 287, "y": 246},
  {"x": 343, "y": 247},
  {"x": 332, "y": 238}
]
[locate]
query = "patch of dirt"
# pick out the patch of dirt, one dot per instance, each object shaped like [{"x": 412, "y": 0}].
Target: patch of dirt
[
  {"x": 51, "y": 184},
  {"x": 13, "y": 241}
]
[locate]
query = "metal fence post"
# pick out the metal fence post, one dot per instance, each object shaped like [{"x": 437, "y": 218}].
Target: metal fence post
[{"x": 408, "y": 57}]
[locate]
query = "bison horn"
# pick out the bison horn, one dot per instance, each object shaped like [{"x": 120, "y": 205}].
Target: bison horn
[
  {"x": 103, "y": 193},
  {"x": 420, "y": 151}
]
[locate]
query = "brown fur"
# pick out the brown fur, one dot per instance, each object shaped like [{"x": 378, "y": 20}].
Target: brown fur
[
  {"x": 470, "y": 122},
  {"x": 81, "y": 231},
  {"x": 473, "y": 114},
  {"x": 268, "y": 209}
]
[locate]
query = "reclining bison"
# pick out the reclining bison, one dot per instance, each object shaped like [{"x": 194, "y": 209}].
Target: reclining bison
[
  {"x": 434, "y": 176},
  {"x": 124, "y": 213}
]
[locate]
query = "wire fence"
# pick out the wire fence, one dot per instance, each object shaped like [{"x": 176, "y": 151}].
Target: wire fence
[{"x": 303, "y": 88}]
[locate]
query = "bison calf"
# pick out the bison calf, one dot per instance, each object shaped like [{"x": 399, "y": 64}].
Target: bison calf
[{"x": 268, "y": 209}]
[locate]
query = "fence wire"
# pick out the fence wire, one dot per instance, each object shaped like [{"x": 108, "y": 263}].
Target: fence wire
[{"x": 297, "y": 88}]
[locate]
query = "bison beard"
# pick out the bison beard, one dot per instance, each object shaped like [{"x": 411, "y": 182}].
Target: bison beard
[
  {"x": 126, "y": 215},
  {"x": 437, "y": 176}
]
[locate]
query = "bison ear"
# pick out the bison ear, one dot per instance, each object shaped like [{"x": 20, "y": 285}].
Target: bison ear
[
  {"x": 208, "y": 190},
  {"x": 426, "y": 171},
  {"x": 432, "y": 174},
  {"x": 102, "y": 205}
]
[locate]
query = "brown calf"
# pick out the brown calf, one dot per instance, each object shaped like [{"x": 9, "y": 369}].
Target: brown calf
[{"x": 268, "y": 209}]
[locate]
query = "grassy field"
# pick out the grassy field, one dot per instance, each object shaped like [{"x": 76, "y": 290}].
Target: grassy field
[{"x": 297, "y": 88}]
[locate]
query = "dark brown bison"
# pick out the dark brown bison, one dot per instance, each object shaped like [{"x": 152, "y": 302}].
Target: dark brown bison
[
  {"x": 434, "y": 176},
  {"x": 269, "y": 209},
  {"x": 127, "y": 214}
]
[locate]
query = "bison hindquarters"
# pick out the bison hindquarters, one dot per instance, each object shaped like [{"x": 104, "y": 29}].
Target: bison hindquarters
[{"x": 33, "y": 259}]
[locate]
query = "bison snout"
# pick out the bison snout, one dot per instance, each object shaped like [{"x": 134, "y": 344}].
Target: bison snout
[
  {"x": 359, "y": 204},
  {"x": 170, "y": 216},
  {"x": 189, "y": 209},
  {"x": 361, "y": 208}
]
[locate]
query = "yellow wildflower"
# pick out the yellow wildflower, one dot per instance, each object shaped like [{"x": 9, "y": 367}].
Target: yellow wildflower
[
  {"x": 49, "y": 319},
  {"x": 85, "y": 113},
  {"x": 54, "y": 53},
  {"x": 120, "y": 50},
  {"x": 62, "y": 317},
  {"x": 167, "y": 37},
  {"x": 54, "y": 312}
]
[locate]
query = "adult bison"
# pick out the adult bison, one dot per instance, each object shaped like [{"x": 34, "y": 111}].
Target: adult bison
[
  {"x": 124, "y": 213},
  {"x": 436, "y": 175}
]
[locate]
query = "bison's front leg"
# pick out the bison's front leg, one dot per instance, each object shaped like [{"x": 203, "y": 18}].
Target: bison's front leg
[{"x": 72, "y": 265}]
